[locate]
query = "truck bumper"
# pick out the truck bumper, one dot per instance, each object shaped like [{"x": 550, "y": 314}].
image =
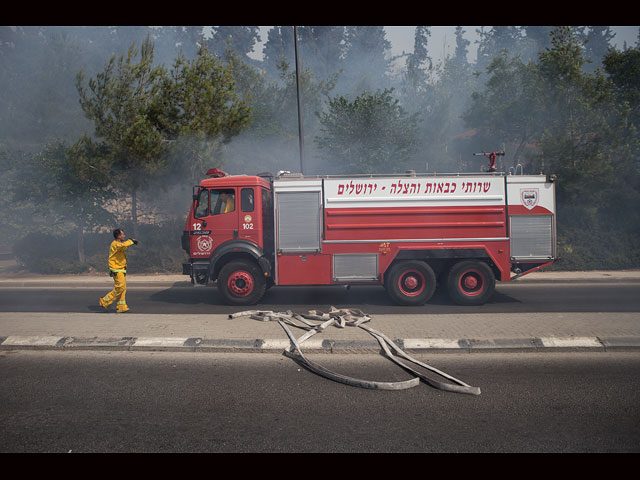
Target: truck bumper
[{"x": 198, "y": 271}]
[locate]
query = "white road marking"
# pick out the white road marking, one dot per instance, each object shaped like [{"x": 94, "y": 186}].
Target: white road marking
[
  {"x": 159, "y": 342},
  {"x": 31, "y": 340},
  {"x": 430, "y": 343},
  {"x": 570, "y": 342}
]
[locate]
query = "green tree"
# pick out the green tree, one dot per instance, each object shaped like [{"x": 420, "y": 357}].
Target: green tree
[
  {"x": 366, "y": 62},
  {"x": 494, "y": 41},
  {"x": 241, "y": 39},
  {"x": 371, "y": 134},
  {"x": 598, "y": 43},
  {"x": 440, "y": 106},
  {"x": 580, "y": 130},
  {"x": 419, "y": 62},
  {"x": 201, "y": 111},
  {"x": 125, "y": 102},
  {"x": 579, "y": 107},
  {"x": 278, "y": 50},
  {"x": 153, "y": 121},
  {"x": 270, "y": 142},
  {"x": 507, "y": 111},
  {"x": 623, "y": 68},
  {"x": 322, "y": 50},
  {"x": 462, "y": 48}
]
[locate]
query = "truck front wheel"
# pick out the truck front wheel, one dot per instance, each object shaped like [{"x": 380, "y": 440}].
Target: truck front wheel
[
  {"x": 471, "y": 282},
  {"x": 241, "y": 283},
  {"x": 411, "y": 283}
]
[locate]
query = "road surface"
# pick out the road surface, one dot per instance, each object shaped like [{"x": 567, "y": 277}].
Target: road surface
[
  {"x": 515, "y": 298},
  {"x": 184, "y": 402}
]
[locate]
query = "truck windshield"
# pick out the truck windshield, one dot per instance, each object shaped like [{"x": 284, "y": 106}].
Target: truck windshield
[{"x": 202, "y": 207}]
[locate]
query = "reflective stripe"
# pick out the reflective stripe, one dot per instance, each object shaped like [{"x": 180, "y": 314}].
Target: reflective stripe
[
  {"x": 423, "y": 240},
  {"x": 121, "y": 303},
  {"x": 117, "y": 271}
]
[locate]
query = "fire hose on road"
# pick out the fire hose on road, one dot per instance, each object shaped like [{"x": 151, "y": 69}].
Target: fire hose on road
[{"x": 315, "y": 322}]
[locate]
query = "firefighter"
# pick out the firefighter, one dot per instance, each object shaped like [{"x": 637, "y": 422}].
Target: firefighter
[
  {"x": 226, "y": 203},
  {"x": 118, "y": 270}
]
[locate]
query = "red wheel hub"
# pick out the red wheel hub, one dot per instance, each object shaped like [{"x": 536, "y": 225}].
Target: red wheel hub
[
  {"x": 471, "y": 283},
  {"x": 411, "y": 283},
  {"x": 240, "y": 283}
]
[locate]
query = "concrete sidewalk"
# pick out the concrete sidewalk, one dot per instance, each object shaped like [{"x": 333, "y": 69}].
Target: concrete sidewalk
[{"x": 431, "y": 333}]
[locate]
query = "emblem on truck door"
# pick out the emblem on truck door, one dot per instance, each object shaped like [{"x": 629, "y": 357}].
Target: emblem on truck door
[
  {"x": 205, "y": 244},
  {"x": 529, "y": 197}
]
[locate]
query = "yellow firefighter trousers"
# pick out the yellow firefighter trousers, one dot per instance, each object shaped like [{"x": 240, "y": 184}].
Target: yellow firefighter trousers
[{"x": 117, "y": 294}]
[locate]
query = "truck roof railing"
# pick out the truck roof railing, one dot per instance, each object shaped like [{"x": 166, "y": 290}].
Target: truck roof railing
[{"x": 379, "y": 175}]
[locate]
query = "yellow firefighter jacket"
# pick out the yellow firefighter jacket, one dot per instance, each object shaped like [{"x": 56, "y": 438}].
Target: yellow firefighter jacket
[
  {"x": 228, "y": 204},
  {"x": 118, "y": 256}
]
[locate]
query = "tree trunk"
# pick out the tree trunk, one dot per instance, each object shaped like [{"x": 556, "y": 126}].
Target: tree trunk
[{"x": 80, "y": 244}]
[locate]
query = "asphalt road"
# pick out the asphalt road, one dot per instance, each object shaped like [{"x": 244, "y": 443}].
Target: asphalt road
[
  {"x": 176, "y": 402},
  {"x": 523, "y": 297}
]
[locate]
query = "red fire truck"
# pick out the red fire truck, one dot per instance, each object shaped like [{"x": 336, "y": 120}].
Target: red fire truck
[{"x": 407, "y": 232}]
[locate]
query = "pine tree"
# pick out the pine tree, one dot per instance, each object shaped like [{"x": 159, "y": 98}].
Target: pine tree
[
  {"x": 366, "y": 60},
  {"x": 419, "y": 62},
  {"x": 371, "y": 134},
  {"x": 278, "y": 50},
  {"x": 241, "y": 39},
  {"x": 598, "y": 43},
  {"x": 461, "y": 52},
  {"x": 493, "y": 42},
  {"x": 537, "y": 39},
  {"x": 142, "y": 112},
  {"x": 322, "y": 49}
]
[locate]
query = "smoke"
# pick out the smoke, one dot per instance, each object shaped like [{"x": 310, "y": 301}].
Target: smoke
[{"x": 39, "y": 103}]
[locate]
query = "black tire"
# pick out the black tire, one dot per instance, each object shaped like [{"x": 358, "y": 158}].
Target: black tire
[
  {"x": 471, "y": 282},
  {"x": 241, "y": 283},
  {"x": 410, "y": 283}
]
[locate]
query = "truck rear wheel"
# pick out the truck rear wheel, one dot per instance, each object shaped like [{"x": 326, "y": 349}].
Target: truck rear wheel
[
  {"x": 411, "y": 283},
  {"x": 471, "y": 282},
  {"x": 241, "y": 283}
]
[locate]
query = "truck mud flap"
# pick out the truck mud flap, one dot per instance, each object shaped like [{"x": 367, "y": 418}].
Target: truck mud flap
[{"x": 354, "y": 318}]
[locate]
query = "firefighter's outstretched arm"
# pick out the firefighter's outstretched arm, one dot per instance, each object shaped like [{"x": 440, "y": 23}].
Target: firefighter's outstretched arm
[{"x": 124, "y": 245}]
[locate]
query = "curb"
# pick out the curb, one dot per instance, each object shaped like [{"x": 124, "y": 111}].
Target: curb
[{"x": 412, "y": 345}]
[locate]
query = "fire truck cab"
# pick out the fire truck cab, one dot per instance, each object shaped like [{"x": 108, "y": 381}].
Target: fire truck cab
[{"x": 408, "y": 233}]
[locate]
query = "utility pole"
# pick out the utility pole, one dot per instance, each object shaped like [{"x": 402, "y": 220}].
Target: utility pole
[{"x": 300, "y": 129}]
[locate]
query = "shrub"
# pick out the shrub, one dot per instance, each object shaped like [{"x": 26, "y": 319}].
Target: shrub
[{"x": 159, "y": 251}]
